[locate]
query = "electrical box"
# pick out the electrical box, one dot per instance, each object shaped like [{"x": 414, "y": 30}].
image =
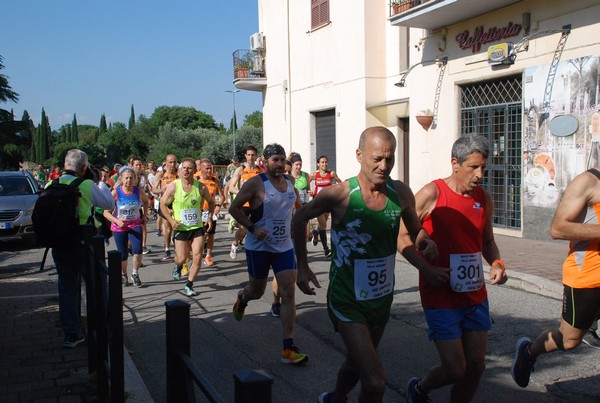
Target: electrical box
[{"x": 257, "y": 41}]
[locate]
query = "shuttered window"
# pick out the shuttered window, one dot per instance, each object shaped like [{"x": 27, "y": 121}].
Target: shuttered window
[{"x": 319, "y": 13}]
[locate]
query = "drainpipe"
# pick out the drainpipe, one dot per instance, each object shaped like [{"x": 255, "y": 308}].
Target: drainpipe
[{"x": 289, "y": 75}]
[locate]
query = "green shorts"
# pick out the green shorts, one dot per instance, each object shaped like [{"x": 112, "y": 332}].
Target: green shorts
[{"x": 374, "y": 315}]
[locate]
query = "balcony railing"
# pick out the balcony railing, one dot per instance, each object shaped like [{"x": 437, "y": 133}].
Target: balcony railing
[
  {"x": 249, "y": 71},
  {"x": 248, "y": 64},
  {"x": 435, "y": 14},
  {"x": 397, "y": 7}
]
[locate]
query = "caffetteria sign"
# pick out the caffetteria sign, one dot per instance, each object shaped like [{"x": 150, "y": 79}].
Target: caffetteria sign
[{"x": 500, "y": 54}]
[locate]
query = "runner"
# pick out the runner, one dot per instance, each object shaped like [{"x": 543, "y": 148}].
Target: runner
[
  {"x": 271, "y": 197},
  {"x": 323, "y": 179},
  {"x": 186, "y": 196},
  {"x": 457, "y": 214},
  {"x": 162, "y": 180},
  {"x": 242, "y": 174},
  {"x": 366, "y": 212},
  {"x": 208, "y": 178},
  {"x": 126, "y": 222},
  {"x": 142, "y": 183},
  {"x": 576, "y": 219}
]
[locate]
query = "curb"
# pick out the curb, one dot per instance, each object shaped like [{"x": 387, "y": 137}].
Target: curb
[{"x": 135, "y": 388}]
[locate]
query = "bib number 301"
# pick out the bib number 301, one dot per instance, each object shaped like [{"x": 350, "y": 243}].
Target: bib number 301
[{"x": 467, "y": 272}]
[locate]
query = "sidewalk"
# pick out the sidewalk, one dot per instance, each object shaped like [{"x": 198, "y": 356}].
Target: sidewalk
[{"x": 35, "y": 367}]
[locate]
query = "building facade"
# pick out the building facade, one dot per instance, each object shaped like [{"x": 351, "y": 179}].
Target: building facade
[{"x": 523, "y": 73}]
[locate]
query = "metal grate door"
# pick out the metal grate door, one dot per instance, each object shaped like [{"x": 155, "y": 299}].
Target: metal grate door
[{"x": 494, "y": 109}]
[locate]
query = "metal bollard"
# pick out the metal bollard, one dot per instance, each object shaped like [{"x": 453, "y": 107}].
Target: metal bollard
[
  {"x": 178, "y": 340},
  {"x": 253, "y": 386}
]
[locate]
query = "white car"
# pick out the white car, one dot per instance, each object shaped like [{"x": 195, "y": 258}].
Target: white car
[{"x": 18, "y": 194}]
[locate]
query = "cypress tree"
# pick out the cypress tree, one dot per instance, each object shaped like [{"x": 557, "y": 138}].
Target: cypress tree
[
  {"x": 103, "y": 127},
  {"x": 33, "y": 155},
  {"x": 43, "y": 146},
  {"x": 75, "y": 129},
  {"x": 131, "y": 118}
]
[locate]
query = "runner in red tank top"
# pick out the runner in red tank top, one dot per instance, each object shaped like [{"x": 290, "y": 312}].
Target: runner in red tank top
[
  {"x": 323, "y": 178},
  {"x": 457, "y": 214}
]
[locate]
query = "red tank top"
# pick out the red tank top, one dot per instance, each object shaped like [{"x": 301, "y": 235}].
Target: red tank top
[
  {"x": 456, "y": 225},
  {"x": 322, "y": 181}
]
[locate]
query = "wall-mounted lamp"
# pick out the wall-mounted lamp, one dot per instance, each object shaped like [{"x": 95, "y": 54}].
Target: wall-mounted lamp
[
  {"x": 439, "y": 61},
  {"x": 566, "y": 30}
]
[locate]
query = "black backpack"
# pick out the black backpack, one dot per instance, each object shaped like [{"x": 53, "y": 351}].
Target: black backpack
[{"x": 56, "y": 215}]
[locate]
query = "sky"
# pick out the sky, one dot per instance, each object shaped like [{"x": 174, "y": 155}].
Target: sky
[{"x": 89, "y": 57}]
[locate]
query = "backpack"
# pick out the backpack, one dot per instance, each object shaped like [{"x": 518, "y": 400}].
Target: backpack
[{"x": 56, "y": 215}]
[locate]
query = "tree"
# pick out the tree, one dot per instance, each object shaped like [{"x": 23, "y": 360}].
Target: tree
[
  {"x": 74, "y": 130},
  {"x": 182, "y": 117},
  {"x": 131, "y": 119},
  {"x": 6, "y": 92},
  {"x": 102, "y": 126},
  {"x": 233, "y": 123},
  {"x": 254, "y": 119},
  {"x": 12, "y": 142}
]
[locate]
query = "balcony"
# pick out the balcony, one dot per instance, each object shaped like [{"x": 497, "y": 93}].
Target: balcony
[
  {"x": 435, "y": 14},
  {"x": 249, "y": 70}
]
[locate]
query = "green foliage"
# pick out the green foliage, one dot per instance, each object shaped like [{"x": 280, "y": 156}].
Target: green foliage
[
  {"x": 254, "y": 119},
  {"x": 131, "y": 119},
  {"x": 6, "y": 92},
  {"x": 114, "y": 142},
  {"x": 182, "y": 117},
  {"x": 247, "y": 136},
  {"x": 74, "y": 130}
]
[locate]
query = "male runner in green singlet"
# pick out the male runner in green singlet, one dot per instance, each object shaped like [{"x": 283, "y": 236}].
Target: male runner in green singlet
[{"x": 366, "y": 213}]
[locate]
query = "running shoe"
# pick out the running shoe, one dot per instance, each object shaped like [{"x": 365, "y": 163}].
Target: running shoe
[
  {"x": 177, "y": 272},
  {"x": 292, "y": 355},
  {"x": 231, "y": 225},
  {"x": 592, "y": 339},
  {"x": 233, "y": 253},
  {"x": 185, "y": 270},
  {"x": 189, "y": 291},
  {"x": 136, "y": 280},
  {"x": 413, "y": 395},
  {"x": 145, "y": 251},
  {"x": 327, "y": 252},
  {"x": 239, "y": 307},
  {"x": 167, "y": 256},
  {"x": 208, "y": 261},
  {"x": 130, "y": 251},
  {"x": 125, "y": 281},
  {"x": 158, "y": 233},
  {"x": 523, "y": 363},
  {"x": 315, "y": 237},
  {"x": 73, "y": 341},
  {"x": 276, "y": 309}
]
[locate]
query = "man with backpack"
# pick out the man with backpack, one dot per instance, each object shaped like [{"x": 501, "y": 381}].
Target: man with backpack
[{"x": 65, "y": 204}]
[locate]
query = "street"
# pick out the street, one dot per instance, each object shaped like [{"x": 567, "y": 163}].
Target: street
[{"x": 222, "y": 346}]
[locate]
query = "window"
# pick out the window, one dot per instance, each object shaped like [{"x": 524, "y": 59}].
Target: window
[{"x": 319, "y": 13}]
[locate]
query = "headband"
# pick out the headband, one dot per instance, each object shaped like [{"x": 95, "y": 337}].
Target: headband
[
  {"x": 128, "y": 168},
  {"x": 295, "y": 158},
  {"x": 273, "y": 149}
]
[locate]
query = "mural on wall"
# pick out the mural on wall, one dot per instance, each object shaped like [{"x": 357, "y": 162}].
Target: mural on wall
[{"x": 562, "y": 138}]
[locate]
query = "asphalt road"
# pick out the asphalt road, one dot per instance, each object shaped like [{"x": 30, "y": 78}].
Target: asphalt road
[{"x": 222, "y": 346}]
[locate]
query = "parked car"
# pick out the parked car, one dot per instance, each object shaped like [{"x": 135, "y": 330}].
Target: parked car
[{"x": 18, "y": 194}]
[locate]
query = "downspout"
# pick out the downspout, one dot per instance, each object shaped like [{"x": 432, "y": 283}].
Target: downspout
[{"x": 289, "y": 75}]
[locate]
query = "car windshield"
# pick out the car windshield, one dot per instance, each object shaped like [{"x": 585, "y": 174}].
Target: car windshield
[{"x": 15, "y": 186}]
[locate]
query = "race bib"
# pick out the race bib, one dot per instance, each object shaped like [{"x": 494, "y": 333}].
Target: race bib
[
  {"x": 190, "y": 217},
  {"x": 467, "y": 272},
  {"x": 129, "y": 213},
  {"x": 279, "y": 231},
  {"x": 374, "y": 278},
  {"x": 204, "y": 215}
]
